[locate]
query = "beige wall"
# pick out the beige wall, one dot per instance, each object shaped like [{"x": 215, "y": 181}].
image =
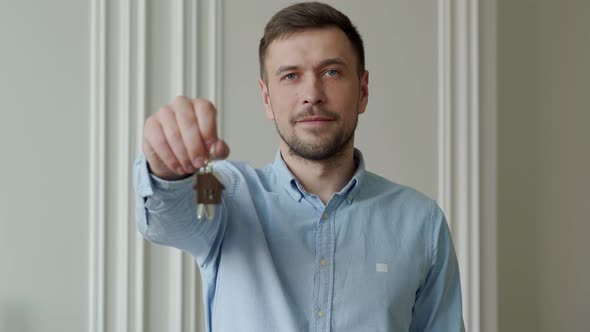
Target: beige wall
[
  {"x": 44, "y": 165},
  {"x": 544, "y": 158},
  {"x": 45, "y": 65}
]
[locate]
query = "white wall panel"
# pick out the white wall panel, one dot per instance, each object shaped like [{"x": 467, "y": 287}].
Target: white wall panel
[{"x": 117, "y": 107}]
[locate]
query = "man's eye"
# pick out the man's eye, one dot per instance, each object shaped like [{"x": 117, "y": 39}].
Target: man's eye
[
  {"x": 290, "y": 77},
  {"x": 331, "y": 73}
]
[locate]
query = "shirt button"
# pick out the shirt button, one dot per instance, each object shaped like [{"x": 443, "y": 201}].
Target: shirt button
[
  {"x": 324, "y": 262},
  {"x": 325, "y": 216},
  {"x": 321, "y": 314}
]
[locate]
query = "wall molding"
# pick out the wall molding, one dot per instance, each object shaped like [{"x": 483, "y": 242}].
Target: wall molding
[
  {"x": 459, "y": 155},
  {"x": 117, "y": 106},
  {"x": 96, "y": 259},
  {"x": 197, "y": 71},
  {"x": 118, "y": 65},
  {"x": 132, "y": 133},
  {"x": 123, "y": 155},
  {"x": 216, "y": 39},
  {"x": 178, "y": 87},
  {"x": 489, "y": 159}
]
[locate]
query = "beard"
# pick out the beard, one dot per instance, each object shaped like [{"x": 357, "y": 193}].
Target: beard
[{"x": 317, "y": 148}]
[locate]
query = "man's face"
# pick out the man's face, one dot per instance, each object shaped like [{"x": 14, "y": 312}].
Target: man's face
[{"x": 313, "y": 92}]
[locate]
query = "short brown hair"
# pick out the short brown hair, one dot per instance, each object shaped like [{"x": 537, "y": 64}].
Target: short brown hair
[{"x": 309, "y": 15}]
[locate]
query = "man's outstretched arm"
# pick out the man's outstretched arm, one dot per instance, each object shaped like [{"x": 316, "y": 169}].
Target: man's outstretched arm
[{"x": 177, "y": 140}]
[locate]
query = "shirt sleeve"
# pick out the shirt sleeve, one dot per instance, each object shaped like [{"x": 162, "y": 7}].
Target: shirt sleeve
[
  {"x": 438, "y": 301},
  {"x": 165, "y": 213}
]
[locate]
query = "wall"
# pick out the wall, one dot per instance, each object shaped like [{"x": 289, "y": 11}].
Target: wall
[
  {"x": 44, "y": 169},
  {"x": 543, "y": 115},
  {"x": 78, "y": 78}
]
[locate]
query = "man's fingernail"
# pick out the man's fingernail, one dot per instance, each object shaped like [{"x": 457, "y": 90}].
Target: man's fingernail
[
  {"x": 212, "y": 151},
  {"x": 199, "y": 162}
]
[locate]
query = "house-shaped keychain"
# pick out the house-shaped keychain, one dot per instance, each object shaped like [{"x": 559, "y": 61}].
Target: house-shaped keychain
[{"x": 208, "y": 193}]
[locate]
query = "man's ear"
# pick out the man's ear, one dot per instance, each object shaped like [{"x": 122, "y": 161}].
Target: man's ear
[
  {"x": 265, "y": 99},
  {"x": 364, "y": 93}
]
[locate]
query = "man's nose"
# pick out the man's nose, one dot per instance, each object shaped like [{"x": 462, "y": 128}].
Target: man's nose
[{"x": 313, "y": 91}]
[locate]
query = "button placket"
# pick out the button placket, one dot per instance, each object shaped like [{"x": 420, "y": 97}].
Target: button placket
[{"x": 324, "y": 271}]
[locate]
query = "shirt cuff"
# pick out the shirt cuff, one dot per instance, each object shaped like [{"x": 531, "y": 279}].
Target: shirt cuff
[{"x": 147, "y": 184}]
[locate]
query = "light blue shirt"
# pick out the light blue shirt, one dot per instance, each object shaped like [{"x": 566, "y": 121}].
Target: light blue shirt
[{"x": 377, "y": 257}]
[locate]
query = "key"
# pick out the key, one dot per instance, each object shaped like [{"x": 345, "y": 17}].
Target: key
[{"x": 208, "y": 192}]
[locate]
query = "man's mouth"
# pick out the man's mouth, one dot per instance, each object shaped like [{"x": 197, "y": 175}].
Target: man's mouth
[{"x": 314, "y": 119}]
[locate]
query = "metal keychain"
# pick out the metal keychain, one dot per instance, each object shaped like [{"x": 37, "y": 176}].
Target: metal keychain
[{"x": 208, "y": 190}]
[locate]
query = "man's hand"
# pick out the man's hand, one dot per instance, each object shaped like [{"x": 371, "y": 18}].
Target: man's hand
[{"x": 180, "y": 137}]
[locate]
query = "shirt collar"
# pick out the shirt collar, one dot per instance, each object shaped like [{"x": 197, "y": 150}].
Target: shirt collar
[{"x": 289, "y": 182}]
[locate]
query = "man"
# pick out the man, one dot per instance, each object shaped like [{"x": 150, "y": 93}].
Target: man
[{"x": 313, "y": 241}]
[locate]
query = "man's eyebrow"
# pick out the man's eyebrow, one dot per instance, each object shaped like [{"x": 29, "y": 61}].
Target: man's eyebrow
[
  {"x": 323, "y": 63},
  {"x": 332, "y": 61},
  {"x": 283, "y": 69}
]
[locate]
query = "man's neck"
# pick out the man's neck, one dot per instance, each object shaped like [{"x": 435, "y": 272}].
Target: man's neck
[{"x": 321, "y": 177}]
